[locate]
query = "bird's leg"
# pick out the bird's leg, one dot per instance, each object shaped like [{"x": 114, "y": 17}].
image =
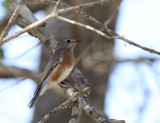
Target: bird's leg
[{"x": 64, "y": 84}]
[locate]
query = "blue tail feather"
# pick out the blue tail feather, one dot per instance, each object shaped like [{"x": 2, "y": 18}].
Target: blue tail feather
[
  {"x": 37, "y": 93},
  {"x": 34, "y": 99}
]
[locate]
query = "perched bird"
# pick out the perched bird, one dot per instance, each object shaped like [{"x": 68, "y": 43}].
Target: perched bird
[{"x": 58, "y": 68}]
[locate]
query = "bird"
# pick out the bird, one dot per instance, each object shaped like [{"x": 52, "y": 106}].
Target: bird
[{"x": 58, "y": 68}]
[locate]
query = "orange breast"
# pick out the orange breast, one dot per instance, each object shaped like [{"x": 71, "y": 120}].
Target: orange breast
[{"x": 63, "y": 69}]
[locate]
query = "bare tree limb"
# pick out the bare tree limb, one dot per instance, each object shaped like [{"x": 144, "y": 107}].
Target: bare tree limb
[
  {"x": 14, "y": 72},
  {"x": 12, "y": 20},
  {"x": 83, "y": 104},
  {"x": 137, "y": 60},
  {"x": 139, "y": 46},
  {"x": 93, "y": 113},
  {"x": 53, "y": 15},
  {"x": 85, "y": 26},
  {"x": 57, "y": 5},
  {"x": 112, "y": 33},
  {"x": 63, "y": 105},
  {"x": 105, "y": 28},
  {"x": 41, "y": 32},
  {"x": 76, "y": 114},
  {"x": 61, "y": 11},
  {"x": 89, "y": 109}
]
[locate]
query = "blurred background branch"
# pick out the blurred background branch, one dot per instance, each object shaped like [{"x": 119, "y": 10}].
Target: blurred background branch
[{"x": 16, "y": 72}]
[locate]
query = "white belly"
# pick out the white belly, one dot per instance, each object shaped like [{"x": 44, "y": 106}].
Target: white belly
[
  {"x": 50, "y": 84},
  {"x": 65, "y": 74}
]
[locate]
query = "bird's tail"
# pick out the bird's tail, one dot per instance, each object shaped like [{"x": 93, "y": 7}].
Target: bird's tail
[
  {"x": 41, "y": 89},
  {"x": 36, "y": 95},
  {"x": 33, "y": 101}
]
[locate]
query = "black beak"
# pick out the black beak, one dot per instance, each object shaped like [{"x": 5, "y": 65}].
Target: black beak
[{"x": 78, "y": 41}]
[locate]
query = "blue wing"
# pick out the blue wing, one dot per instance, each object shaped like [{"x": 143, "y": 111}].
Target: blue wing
[{"x": 53, "y": 62}]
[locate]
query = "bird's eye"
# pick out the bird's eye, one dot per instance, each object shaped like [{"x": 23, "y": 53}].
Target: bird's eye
[{"x": 68, "y": 41}]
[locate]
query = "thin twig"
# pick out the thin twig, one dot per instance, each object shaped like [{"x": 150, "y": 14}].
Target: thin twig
[
  {"x": 12, "y": 20},
  {"x": 109, "y": 31},
  {"x": 111, "y": 17},
  {"x": 28, "y": 28},
  {"x": 139, "y": 46},
  {"x": 121, "y": 37},
  {"x": 85, "y": 26},
  {"x": 62, "y": 106},
  {"x": 137, "y": 60},
  {"x": 53, "y": 15},
  {"x": 96, "y": 22},
  {"x": 112, "y": 33},
  {"x": 40, "y": 32},
  {"x": 87, "y": 5},
  {"x": 93, "y": 19},
  {"x": 57, "y": 5}
]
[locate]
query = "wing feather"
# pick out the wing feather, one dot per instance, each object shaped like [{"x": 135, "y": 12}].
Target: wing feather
[{"x": 53, "y": 62}]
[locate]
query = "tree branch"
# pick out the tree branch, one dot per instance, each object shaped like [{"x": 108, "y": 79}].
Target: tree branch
[
  {"x": 65, "y": 104},
  {"x": 51, "y": 16},
  {"x": 57, "y": 5},
  {"x": 41, "y": 32},
  {"x": 12, "y": 20},
  {"x": 14, "y": 72},
  {"x": 62, "y": 11},
  {"x": 137, "y": 60},
  {"x": 86, "y": 26},
  {"x": 76, "y": 114},
  {"x": 93, "y": 113},
  {"x": 105, "y": 28}
]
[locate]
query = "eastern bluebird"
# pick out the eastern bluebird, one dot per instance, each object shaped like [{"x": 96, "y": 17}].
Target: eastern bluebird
[{"x": 58, "y": 68}]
